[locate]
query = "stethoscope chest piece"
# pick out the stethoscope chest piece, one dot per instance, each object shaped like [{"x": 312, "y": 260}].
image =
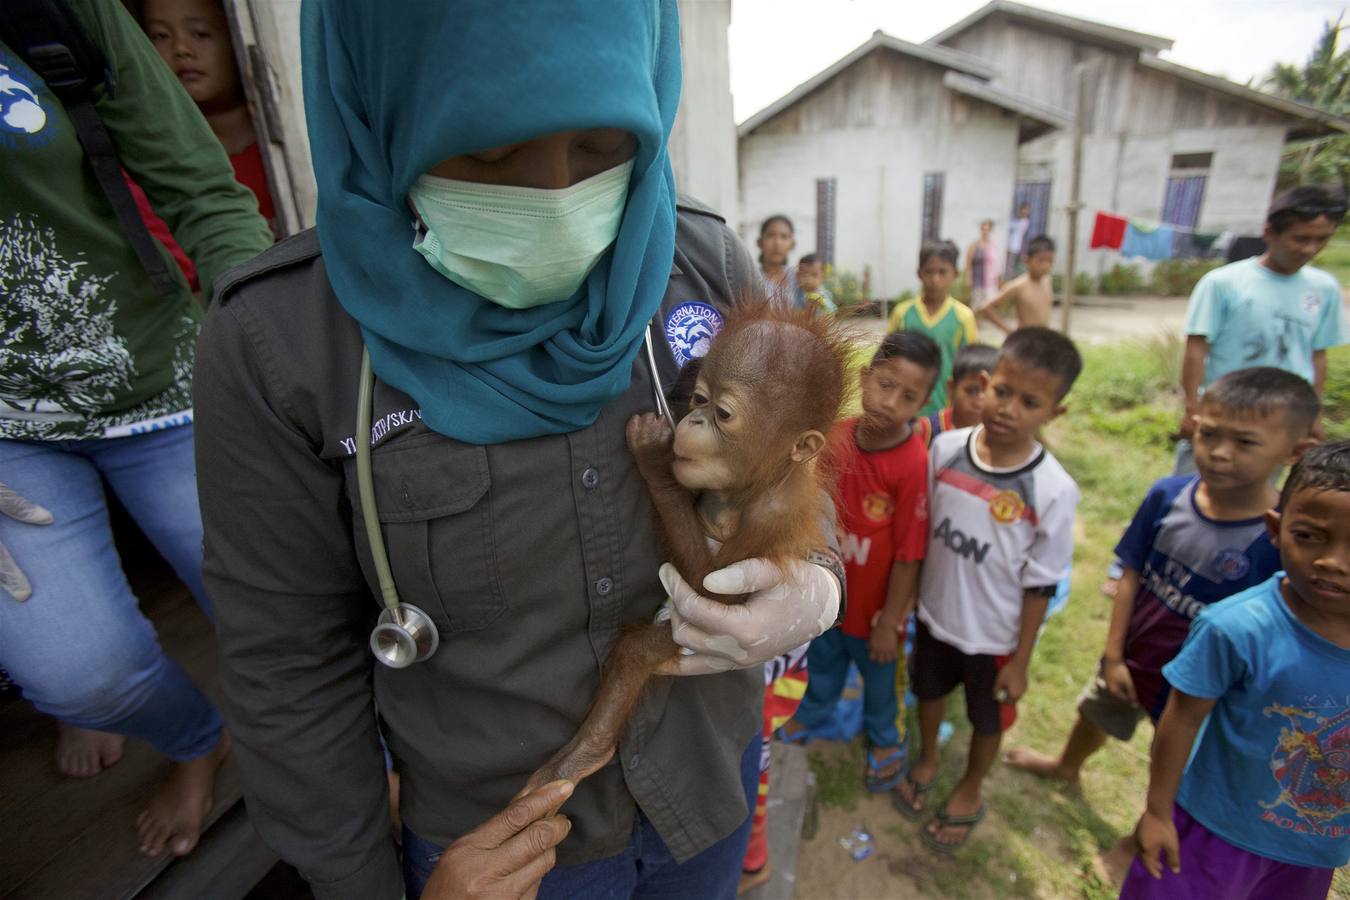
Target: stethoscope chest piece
[{"x": 403, "y": 636}]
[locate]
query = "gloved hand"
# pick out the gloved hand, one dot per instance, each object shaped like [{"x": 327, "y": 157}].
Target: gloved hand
[
  {"x": 12, "y": 578},
  {"x": 785, "y": 610}
]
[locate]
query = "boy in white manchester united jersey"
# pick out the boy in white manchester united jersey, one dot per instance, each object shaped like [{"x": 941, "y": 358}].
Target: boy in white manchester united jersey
[{"x": 1000, "y": 540}]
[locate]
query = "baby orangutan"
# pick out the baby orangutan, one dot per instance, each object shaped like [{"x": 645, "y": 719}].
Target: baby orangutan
[{"x": 739, "y": 478}]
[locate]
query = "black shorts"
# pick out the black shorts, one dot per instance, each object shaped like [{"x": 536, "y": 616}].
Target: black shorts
[{"x": 937, "y": 668}]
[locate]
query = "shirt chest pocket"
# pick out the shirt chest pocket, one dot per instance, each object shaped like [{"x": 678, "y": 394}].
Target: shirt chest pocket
[{"x": 434, "y": 502}]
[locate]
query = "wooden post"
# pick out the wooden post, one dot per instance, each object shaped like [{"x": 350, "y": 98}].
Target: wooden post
[{"x": 1075, "y": 189}]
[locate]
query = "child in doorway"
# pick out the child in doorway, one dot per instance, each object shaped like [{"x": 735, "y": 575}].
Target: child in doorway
[
  {"x": 193, "y": 38},
  {"x": 1032, "y": 293},
  {"x": 883, "y": 491},
  {"x": 1017, "y": 236},
  {"x": 1260, "y": 811},
  {"x": 777, "y": 239},
  {"x": 1002, "y": 510},
  {"x": 1195, "y": 540},
  {"x": 936, "y": 314},
  {"x": 965, "y": 392},
  {"x": 811, "y": 285}
]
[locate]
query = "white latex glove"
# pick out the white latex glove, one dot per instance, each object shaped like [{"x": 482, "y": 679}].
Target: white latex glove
[
  {"x": 16, "y": 507},
  {"x": 782, "y": 613}
]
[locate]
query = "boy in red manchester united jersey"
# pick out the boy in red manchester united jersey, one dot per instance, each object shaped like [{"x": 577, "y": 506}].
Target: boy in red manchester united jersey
[{"x": 882, "y": 466}]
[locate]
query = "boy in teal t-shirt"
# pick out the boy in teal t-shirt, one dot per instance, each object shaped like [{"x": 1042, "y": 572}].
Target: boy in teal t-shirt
[{"x": 1272, "y": 310}]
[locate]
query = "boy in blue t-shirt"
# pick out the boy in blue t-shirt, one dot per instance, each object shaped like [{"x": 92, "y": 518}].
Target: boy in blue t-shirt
[
  {"x": 1195, "y": 540},
  {"x": 1263, "y": 807},
  {"x": 1271, "y": 310}
]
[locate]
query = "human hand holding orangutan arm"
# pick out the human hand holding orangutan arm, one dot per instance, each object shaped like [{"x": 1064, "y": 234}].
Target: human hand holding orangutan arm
[{"x": 787, "y": 606}]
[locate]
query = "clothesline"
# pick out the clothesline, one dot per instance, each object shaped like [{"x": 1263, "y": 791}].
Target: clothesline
[
  {"x": 1150, "y": 225},
  {"x": 1153, "y": 241}
]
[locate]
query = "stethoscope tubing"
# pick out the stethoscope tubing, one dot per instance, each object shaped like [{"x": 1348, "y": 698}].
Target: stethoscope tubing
[{"x": 365, "y": 485}]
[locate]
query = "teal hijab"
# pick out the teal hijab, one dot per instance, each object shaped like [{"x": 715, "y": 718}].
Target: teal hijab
[{"x": 391, "y": 89}]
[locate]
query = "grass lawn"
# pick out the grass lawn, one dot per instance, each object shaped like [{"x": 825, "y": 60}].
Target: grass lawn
[{"x": 1041, "y": 840}]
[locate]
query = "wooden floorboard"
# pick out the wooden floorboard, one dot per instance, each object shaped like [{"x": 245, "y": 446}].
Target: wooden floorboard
[{"x": 76, "y": 838}]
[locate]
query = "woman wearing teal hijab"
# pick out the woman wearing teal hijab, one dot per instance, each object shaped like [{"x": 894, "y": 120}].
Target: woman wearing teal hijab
[{"x": 498, "y": 226}]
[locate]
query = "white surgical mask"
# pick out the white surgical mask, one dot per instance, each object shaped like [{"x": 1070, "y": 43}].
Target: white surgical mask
[{"x": 519, "y": 247}]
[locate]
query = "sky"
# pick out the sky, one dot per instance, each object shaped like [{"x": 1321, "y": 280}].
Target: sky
[{"x": 778, "y": 44}]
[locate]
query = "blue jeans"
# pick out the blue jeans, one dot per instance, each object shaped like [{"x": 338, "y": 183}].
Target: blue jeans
[
  {"x": 645, "y": 868},
  {"x": 827, "y": 661},
  {"x": 79, "y": 647}
]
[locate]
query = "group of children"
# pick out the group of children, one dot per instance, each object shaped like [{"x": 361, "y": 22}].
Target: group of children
[
  {"x": 952, "y": 509},
  {"x": 964, "y": 519}
]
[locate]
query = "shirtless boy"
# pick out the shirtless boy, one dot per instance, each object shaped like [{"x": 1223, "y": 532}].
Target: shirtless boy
[{"x": 1032, "y": 293}]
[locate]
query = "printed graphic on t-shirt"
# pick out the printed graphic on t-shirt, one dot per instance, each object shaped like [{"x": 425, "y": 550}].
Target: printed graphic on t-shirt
[
  {"x": 61, "y": 357},
  {"x": 73, "y": 362},
  {"x": 23, "y": 120},
  {"x": 877, "y": 507},
  {"x": 1185, "y": 562},
  {"x": 690, "y": 329},
  {"x": 1311, "y": 765}
]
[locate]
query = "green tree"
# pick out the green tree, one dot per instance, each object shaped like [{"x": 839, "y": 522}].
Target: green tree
[{"x": 1323, "y": 81}]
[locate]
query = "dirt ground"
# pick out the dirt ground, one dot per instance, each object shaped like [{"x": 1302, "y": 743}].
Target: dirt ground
[{"x": 901, "y": 867}]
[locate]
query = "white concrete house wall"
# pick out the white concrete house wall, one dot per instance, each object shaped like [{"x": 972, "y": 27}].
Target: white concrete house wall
[
  {"x": 703, "y": 142},
  {"x": 1141, "y": 111},
  {"x": 877, "y": 122}
]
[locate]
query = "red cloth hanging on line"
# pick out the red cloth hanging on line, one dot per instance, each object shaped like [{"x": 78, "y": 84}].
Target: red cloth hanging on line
[{"x": 1108, "y": 231}]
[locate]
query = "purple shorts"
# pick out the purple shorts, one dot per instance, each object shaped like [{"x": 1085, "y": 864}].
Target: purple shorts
[{"x": 1212, "y": 867}]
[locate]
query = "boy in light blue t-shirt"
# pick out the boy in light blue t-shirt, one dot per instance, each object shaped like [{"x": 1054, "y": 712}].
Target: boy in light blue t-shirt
[
  {"x": 1271, "y": 310},
  {"x": 1263, "y": 807}
]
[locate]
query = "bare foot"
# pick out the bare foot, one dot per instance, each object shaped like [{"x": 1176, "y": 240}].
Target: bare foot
[
  {"x": 81, "y": 753},
  {"x": 1114, "y": 864},
  {"x": 1040, "y": 764},
  {"x": 173, "y": 818}
]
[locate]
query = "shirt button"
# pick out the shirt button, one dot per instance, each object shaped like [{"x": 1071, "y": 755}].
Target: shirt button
[
  {"x": 634, "y": 760},
  {"x": 589, "y": 479},
  {"x": 604, "y": 586}
]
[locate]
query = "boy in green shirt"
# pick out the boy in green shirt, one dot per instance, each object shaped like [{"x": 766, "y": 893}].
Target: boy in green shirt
[{"x": 937, "y": 314}]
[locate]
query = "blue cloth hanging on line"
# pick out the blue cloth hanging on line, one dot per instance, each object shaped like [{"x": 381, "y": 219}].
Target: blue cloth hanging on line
[{"x": 1154, "y": 245}]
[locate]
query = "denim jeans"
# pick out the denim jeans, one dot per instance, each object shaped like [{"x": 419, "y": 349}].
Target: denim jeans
[
  {"x": 79, "y": 647},
  {"x": 645, "y": 869},
  {"x": 828, "y": 661}
]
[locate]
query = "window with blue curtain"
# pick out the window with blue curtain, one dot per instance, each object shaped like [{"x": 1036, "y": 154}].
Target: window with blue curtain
[{"x": 1186, "y": 189}]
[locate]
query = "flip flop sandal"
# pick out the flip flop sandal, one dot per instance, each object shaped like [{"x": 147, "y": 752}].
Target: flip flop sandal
[
  {"x": 919, "y": 790},
  {"x": 877, "y": 783},
  {"x": 942, "y": 818},
  {"x": 799, "y": 737}
]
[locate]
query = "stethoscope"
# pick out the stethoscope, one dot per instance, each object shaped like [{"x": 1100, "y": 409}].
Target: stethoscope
[{"x": 404, "y": 634}]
